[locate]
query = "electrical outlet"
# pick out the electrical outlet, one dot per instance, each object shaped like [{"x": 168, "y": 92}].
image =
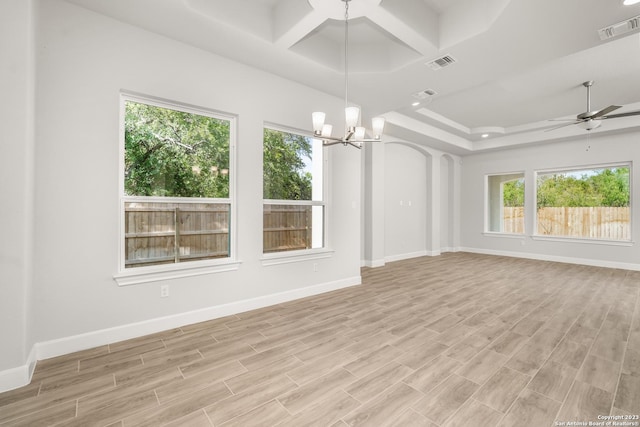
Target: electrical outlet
[
  {"x": 315, "y": 266},
  {"x": 164, "y": 291}
]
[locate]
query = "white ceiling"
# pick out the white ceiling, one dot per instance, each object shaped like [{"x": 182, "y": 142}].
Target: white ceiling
[{"x": 519, "y": 62}]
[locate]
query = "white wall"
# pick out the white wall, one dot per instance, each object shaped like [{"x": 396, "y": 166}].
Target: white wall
[
  {"x": 411, "y": 197},
  {"x": 447, "y": 217},
  {"x": 84, "y": 60},
  {"x": 16, "y": 184},
  {"x": 405, "y": 197},
  {"x": 582, "y": 152}
]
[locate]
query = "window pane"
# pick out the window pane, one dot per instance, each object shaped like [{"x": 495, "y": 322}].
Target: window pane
[
  {"x": 185, "y": 158},
  {"x": 293, "y": 170},
  {"x": 589, "y": 203},
  {"x": 291, "y": 227},
  {"x": 288, "y": 166},
  {"x": 151, "y": 235},
  {"x": 171, "y": 153},
  {"x": 506, "y": 203}
]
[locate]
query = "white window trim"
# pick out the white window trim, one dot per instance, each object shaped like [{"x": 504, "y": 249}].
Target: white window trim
[
  {"x": 132, "y": 276},
  {"x": 582, "y": 240},
  {"x": 285, "y": 257},
  {"x": 520, "y": 236},
  {"x": 587, "y": 240},
  {"x": 487, "y": 208}
]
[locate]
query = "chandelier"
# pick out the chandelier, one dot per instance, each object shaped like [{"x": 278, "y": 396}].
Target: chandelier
[{"x": 354, "y": 134}]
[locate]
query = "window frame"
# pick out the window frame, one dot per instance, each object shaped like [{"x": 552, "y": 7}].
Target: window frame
[
  {"x": 588, "y": 240},
  {"x": 487, "y": 207},
  {"x": 283, "y": 257},
  {"x": 143, "y": 274}
]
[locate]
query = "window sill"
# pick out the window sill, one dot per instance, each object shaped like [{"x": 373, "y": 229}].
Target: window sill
[
  {"x": 278, "y": 258},
  {"x": 505, "y": 235},
  {"x": 173, "y": 271},
  {"x": 582, "y": 240}
]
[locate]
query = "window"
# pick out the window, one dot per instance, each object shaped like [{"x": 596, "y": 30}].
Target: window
[
  {"x": 589, "y": 203},
  {"x": 505, "y": 203},
  {"x": 293, "y": 192},
  {"x": 176, "y": 202}
]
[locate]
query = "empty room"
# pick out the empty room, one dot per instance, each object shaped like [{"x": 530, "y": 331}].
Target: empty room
[{"x": 320, "y": 213}]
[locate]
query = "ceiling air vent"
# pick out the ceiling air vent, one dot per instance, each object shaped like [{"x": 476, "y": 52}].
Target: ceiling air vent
[
  {"x": 424, "y": 94},
  {"x": 615, "y": 30},
  {"x": 443, "y": 61}
]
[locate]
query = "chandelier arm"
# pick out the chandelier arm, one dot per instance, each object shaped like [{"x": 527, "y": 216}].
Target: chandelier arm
[{"x": 328, "y": 143}]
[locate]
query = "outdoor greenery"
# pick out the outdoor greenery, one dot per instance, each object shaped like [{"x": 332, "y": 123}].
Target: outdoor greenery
[
  {"x": 603, "y": 187},
  {"x": 171, "y": 153},
  {"x": 600, "y": 187},
  {"x": 513, "y": 193},
  {"x": 284, "y": 175}
]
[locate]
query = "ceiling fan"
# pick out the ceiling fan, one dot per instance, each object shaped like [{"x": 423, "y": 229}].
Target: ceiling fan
[{"x": 590, "y": 120}]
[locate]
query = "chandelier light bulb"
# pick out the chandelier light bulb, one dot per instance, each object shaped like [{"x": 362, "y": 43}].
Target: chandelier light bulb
[
  {"x": 377, "y": 125},
  {"x": 318, "y": 121},
  {"x": 351, "y": 116}
]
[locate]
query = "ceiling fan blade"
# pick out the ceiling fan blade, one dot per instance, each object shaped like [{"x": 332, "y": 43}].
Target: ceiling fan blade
[
  {"x": 630, "y": 113},
  {"x": 563, "y": 125},
  {"x": 605, "y": 111}
]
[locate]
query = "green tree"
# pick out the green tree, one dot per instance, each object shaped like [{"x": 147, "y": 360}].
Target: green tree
[
  {"x": 284, "y": 175},
  {"x": 513, "y": 193},
  {"x": 171, "y": 153},
  {"x": 613, "y": 186},
  {"x": 604, "y": 187}
]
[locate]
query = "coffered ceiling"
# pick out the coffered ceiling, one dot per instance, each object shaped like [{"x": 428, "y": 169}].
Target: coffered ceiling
[{"x": 517, "y": 63}]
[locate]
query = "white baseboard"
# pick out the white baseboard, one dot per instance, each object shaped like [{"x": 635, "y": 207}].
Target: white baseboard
[
  {"x": 555, "y": 258},
  {"x": 373, "y": 263},
  {"x": 21, "y": 375},
  {"x": 400, "y": 257},
  {"x": 443, "y": 250}
]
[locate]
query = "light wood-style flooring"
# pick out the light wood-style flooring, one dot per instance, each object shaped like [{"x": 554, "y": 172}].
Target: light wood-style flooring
[{"x": 455, "y": 340}]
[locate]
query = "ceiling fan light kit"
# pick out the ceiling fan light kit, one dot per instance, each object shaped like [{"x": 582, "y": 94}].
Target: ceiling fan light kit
[
  {"x": 590, "y": 124},
  {"x": 354, "y": 134}
]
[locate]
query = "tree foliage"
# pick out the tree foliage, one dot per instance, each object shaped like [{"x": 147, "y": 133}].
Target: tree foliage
[
  {"x": 284, "y": 175},
  {"x": 513, "y": 193},
  {"x": 604, "y": 187},
  {"x": 171, "y": 153}
]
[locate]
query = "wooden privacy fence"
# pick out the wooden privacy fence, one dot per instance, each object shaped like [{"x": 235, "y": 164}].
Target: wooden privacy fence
[
  {"x": 513, "y": 220},
  {"x": 152, "y": 237},
  {"x": 202, "y": 231},
  {"x": 287, "y": 228},
  {"x": 602, "y": 222}
]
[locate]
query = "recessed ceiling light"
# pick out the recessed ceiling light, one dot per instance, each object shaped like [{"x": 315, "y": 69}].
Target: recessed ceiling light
[
  {"x": 415, "y": 104},
  {"x": 630, "y": 2},
  {"x": 486, "y": 135}
]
